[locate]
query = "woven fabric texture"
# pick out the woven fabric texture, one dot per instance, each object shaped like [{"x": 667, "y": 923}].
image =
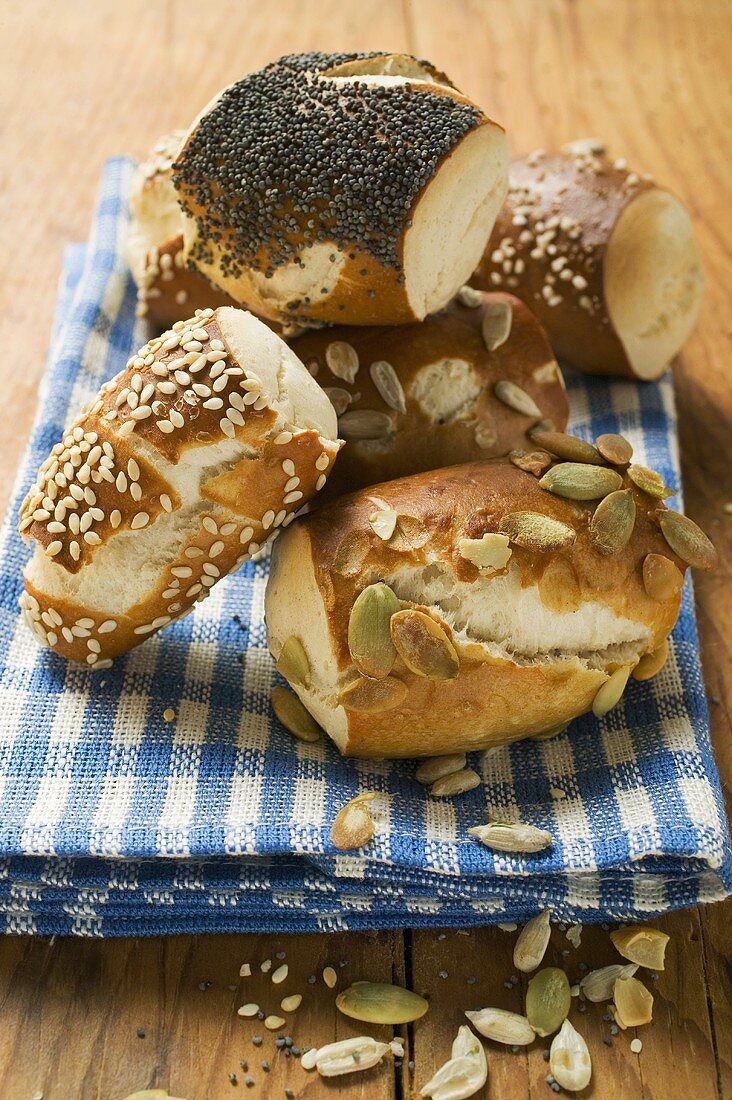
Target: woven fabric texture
[{"x": 113, "y": 821}]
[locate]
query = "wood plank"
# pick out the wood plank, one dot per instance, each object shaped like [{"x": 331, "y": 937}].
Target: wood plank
[{"x": 71, "y": 1011}]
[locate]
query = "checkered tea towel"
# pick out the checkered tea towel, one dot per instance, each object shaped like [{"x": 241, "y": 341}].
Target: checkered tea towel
[{"x": 114, "y": 821}]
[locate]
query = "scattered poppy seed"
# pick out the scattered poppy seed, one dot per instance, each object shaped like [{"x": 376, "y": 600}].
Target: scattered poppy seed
[
  {"x": 257, "y": 1040},
  {"x": 249, "y": 1082},
  {"x": 607, "y": 1040},
  {"x": 234, "y": 1079},
  {"x": 140, "y": 1033}
]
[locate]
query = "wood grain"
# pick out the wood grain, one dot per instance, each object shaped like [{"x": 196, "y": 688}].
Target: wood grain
[{"x": 91, "y": 78}]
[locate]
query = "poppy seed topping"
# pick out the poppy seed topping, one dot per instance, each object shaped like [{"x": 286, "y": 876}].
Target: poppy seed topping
[{"x": 292, "y": 156}]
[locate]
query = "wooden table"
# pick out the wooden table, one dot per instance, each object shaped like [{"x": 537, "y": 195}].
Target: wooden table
[{"x": 83, "y": 80}]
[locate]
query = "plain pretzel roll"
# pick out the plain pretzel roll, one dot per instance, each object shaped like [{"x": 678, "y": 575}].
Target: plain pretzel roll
[
  {"x": 466, "y": 383},
  {"x": 473, "y": 606},
  {"x": 166, "y": 286},
  {"x": 191, "y": 458},
  {"x": 604, "y": 257},
  {"x": 341, "y": 188}
]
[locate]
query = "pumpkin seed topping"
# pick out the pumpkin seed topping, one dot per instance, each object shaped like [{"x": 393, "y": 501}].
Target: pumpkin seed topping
[
  {"x": 423, "y": 645},
  {"x": 362, "y": 424},
  {"x": 455, "y": 783},
  {"x": 369, "y": 638},
  {"x": 293, "y": 715},
  {"x": 611, "y": 692},
  {"x": 352, "y": 827},
  {"x": 496, "y": 324},
  {"x": 435, "y": 767},
  {"x": 532, "y": 942},
  {"x": 293, "y": 663},
  {"x": 652, "y": 663},
  {"x": 642, "y": 945},
  {"x": 342, "y": 358},
  {"x": 490, "y": 553},
  {"x": 687, "y": 540},
  {"x": 370, "y": 696},
  {"x": 510, "y": 837},
  {"x": 614, "y": 448},
  {"x": 661, "y": 578},
  {"x": 569, "y": 447},
  {"x": 569, "y": 1059},
  {"x": 502, "y": 1026},
  {"x": 633, "y": 1003},
  {"x": 648, "y": 481},
  {"x": 612, "y": 523},
  {"x": 379, "y": 1003},
  {"x": 535, "y": 531},
  {"x": 470, "y": 297},
  {"x": 581, "y": 481},
  {"x": 535, "y": 462},
  {"x": 511, "y": 395},
  {"x": 387, "y": 383},
  {"x": 548, "y": 1000}
]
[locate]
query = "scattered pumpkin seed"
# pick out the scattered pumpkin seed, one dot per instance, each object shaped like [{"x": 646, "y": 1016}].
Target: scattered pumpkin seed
[
  {"x": 534, "y": 462},
  {"x": 633, "y": 1003},
  {"x": 379, "y": 1003},
  {"x": 342, "y": 358},
  {"x": 662, "y": 579},
  {"x": 350, "y": 1055},
  {"x": 548, "y": 1000},
  {"x": 383, "y": 523},
  {"x": 361, "y": 424},
  {"x": 455, "y": 783},
  {"x": 509, "y": 837},
  {"x": 532, "y": 942},
  {"x": 598, "y": 985},
  {"x": 535, "y": 531},
  {"x": 652, "y": 663},
  {"x": 435, "y": 767},
  {"x": 372, "y": 696},
  {"x": 423, "y": 645},
  {"x": 580, "y": 481},
  {"x": 490, "y": 553},
  {"x": 614, "y": 448},
  {"x": 503, "y": 1027},
  {"x": 569, "y": 447},
  {"x": 409, "y": 534},
  {"x": 464, "y": 1074},
  {"x": 569, "y": 1059},
  {"x": 648, "y": 481},
  {"x": 293, "y": 663},
  {"x": 274, "y": 1023},
  {"x": 387, "y": 383},
  {"x": 508, "y": 393},
  {"x": 248, "y": 1010},
  {"x": 496, "y": 323},
  {"x": 340, "y": 399},
  {"x": 642, "y": 945},
  {"x": 369, "y": 637},
  {"x": 353, "y": 827},
  {"x": 293, "y": 715},
  {"x": 687, "y": 540},
  {"x": 470, "y": 297},
  {"x": 611, "y": 692},
  {"x": 559, "y": 589},
  {"x": 612, "y": 522},
  {"x": 330, "y": 977},
  {"x": 280, "y": 974},
  {"x": 291, "y": 1003}
]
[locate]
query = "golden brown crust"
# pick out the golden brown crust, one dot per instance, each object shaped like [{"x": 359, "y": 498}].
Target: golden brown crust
[
  {"x": 415, "y": 430},
  {"x": 549, "y": 245},
  {"x": 495, "y": 697},
  {"x": 167, "y": 287}
]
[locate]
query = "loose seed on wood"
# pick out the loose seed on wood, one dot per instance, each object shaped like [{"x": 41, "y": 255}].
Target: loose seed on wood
[
  {"x": 642, "y": 945},
  {"x": 532, "y": 942},
  {"x": 378, "y": 1003},
  {"x": 548, "y": 1000}
]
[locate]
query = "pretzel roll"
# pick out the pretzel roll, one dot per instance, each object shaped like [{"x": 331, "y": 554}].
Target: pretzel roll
[
  {"x": 464, "y": 384},
  {"x": 491, "y": 607},
  {"x": 604, "y": 257},
  {"x": 166, "y": 286},
  {"x": 341, "y": 188},
  {"x": 187, "y": 461}
]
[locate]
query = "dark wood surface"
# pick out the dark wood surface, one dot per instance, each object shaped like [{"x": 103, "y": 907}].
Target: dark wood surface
[{"x": 83, "y": 80}]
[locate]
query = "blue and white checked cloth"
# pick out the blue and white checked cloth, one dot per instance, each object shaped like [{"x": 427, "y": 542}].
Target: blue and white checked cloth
[{"x": 113, "y": 821}]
